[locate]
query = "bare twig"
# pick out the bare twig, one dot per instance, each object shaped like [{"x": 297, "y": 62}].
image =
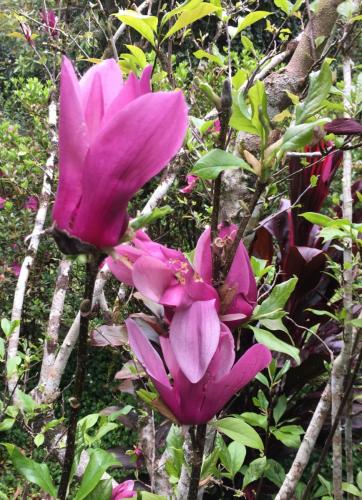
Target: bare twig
[{"x": 28, "y": 261}]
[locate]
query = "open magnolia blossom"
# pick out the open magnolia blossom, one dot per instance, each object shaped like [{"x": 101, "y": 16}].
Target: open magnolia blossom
[
  {"x": 124, "y": 490},
  {"x": 200, "y": 356},
  {"x": 113, "y": 138},
  {"x": 166, "y": 276}
]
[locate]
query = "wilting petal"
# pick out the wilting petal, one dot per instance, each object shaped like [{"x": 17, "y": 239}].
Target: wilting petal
[
  {"x": 152, "y": 277},
  {"x": 110, "y": 77},
  {"x": 344, "y": 126},
  {"x": 132, "y": 147},
  {"x": 73, "y": 147},
  {"x": 194, "y": 336}
]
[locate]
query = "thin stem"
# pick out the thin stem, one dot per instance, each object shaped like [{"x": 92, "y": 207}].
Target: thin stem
[
  {"x": 75, "y": 401},
  {"x": 198, "y": 444}
]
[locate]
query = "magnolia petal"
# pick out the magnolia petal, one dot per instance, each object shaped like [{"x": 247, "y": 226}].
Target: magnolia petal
[
  {"x": 202, "y": 259},
  {"x": 94, "y": 108},
  {"x": 73, "y": 147},
  {"x": 121, "y": 262},
  {"x": 146, "y": 354},
  {"x": 194, "y": 336},
  {"x": 152, "y": 277},
  {"x": 252, "y": 362},
  {"x": 132, "y": 89},
  {"x": 110, "y": 76},
  {"x": 129, "y": 150}
]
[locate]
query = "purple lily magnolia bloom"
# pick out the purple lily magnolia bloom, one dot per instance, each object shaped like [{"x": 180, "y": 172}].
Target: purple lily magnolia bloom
[
  {"x": 49, "y": 20},
  {"x": 191, "y": 180},
  {"x": 2, "y": 202},
  {"x": 200, "y": 355},
  {"x": 165, "y": 275},
  {"x": 113, "y": 138},
  {"x": 31, "y": 203},
  {"x": 123, "y": 490},
  {"x": 25, "y": 28}
]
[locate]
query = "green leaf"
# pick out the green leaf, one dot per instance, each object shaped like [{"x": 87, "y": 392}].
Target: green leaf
[
  {"x": 239, "y": 78},
  {"x": 247, "y": 44},
  {"x": 209, "y": 464},
  {"x": 145, "y": 25},
  {"x": 6, "y": 424},
  {"x": 289, "y": 435},
  {"x": 98, "y": 463},
  {"x": 298, "y": 136},
  {"x": 254, "y": 471},
  {"x": 279, "y": 408},
  {"x": 156, "y": 214},
  {"x": 103, "y": 491},
  {"x": 138, "y": 54},
  {"x": 351, "y": 488},
  {"x": 316, "y": 218},
  {"x": 239, "y": 431},
  {"x": 250, "y": 19},
  {"x": 202, "y": 54},
  {"x": 215, "y": 161},
  {"x": 33, "y": 472},
  {"x": 254, "y": 419},
  {"x": 9, "y": 326},
  {"x": 273, "y": 343},
  {"x": 276, "y": 300},
  {"x": 274, "y": 472},
  {"x": 260, "y": 119},
  {"x": 2, "y": 349},
  {"x": 237, "y": 452},
  {"x": 39, "y": 439},
  {"x": 25, "y": 402},
  {"x": 284, "y": 5},
  {"x": 188, "y": 17},
  {"x": 319, "y": 86},
  {"x": 359, "y": 480},
  {"x": 188, "y": 5}
]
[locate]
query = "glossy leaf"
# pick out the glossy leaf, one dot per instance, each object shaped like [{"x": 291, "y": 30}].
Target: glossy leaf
[
  {"x": 33, "y": 472},
  {"x": 156, "y": 214},
  {"x": 253, "y": 17},
  {"x": 254, "y": 471},
  {"x": 188, "y": 17},
  {"x": 274, "y": 343},
  {"x": 145, "y": 25},
  {"x": 103, "y": 491},
  {"x": 98, "y": 463},
  {"x": 276, "y": 300},
  {"x": 298, "y": 136},
  {"x": 215, "y": 161},
  {"x": 239, "y": 431},
  {"x": 319, "y": 87}
]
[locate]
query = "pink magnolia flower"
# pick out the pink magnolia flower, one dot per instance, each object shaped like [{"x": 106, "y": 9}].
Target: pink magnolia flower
[
  {"x": 216, "y": 127},
  {"x": 49, "y": 21},
  {"x": 31, "y": 203},
  {"x": 191, "y": 183},
  {"x": 123, "y": 490},
  {"x": 2, "y": 202},
  {"x": 200, "y": 355},
  {"x": 113, "y": 138},
  {"x": 165, "y": 275},
  {"x": 25, "y": 28},
  {"x": 16, "y": 268}
]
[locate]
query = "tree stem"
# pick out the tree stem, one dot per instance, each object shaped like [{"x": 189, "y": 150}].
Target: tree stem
[
  {"x": 198, "y": 444},
  {"x": 75, "y": 401}
]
